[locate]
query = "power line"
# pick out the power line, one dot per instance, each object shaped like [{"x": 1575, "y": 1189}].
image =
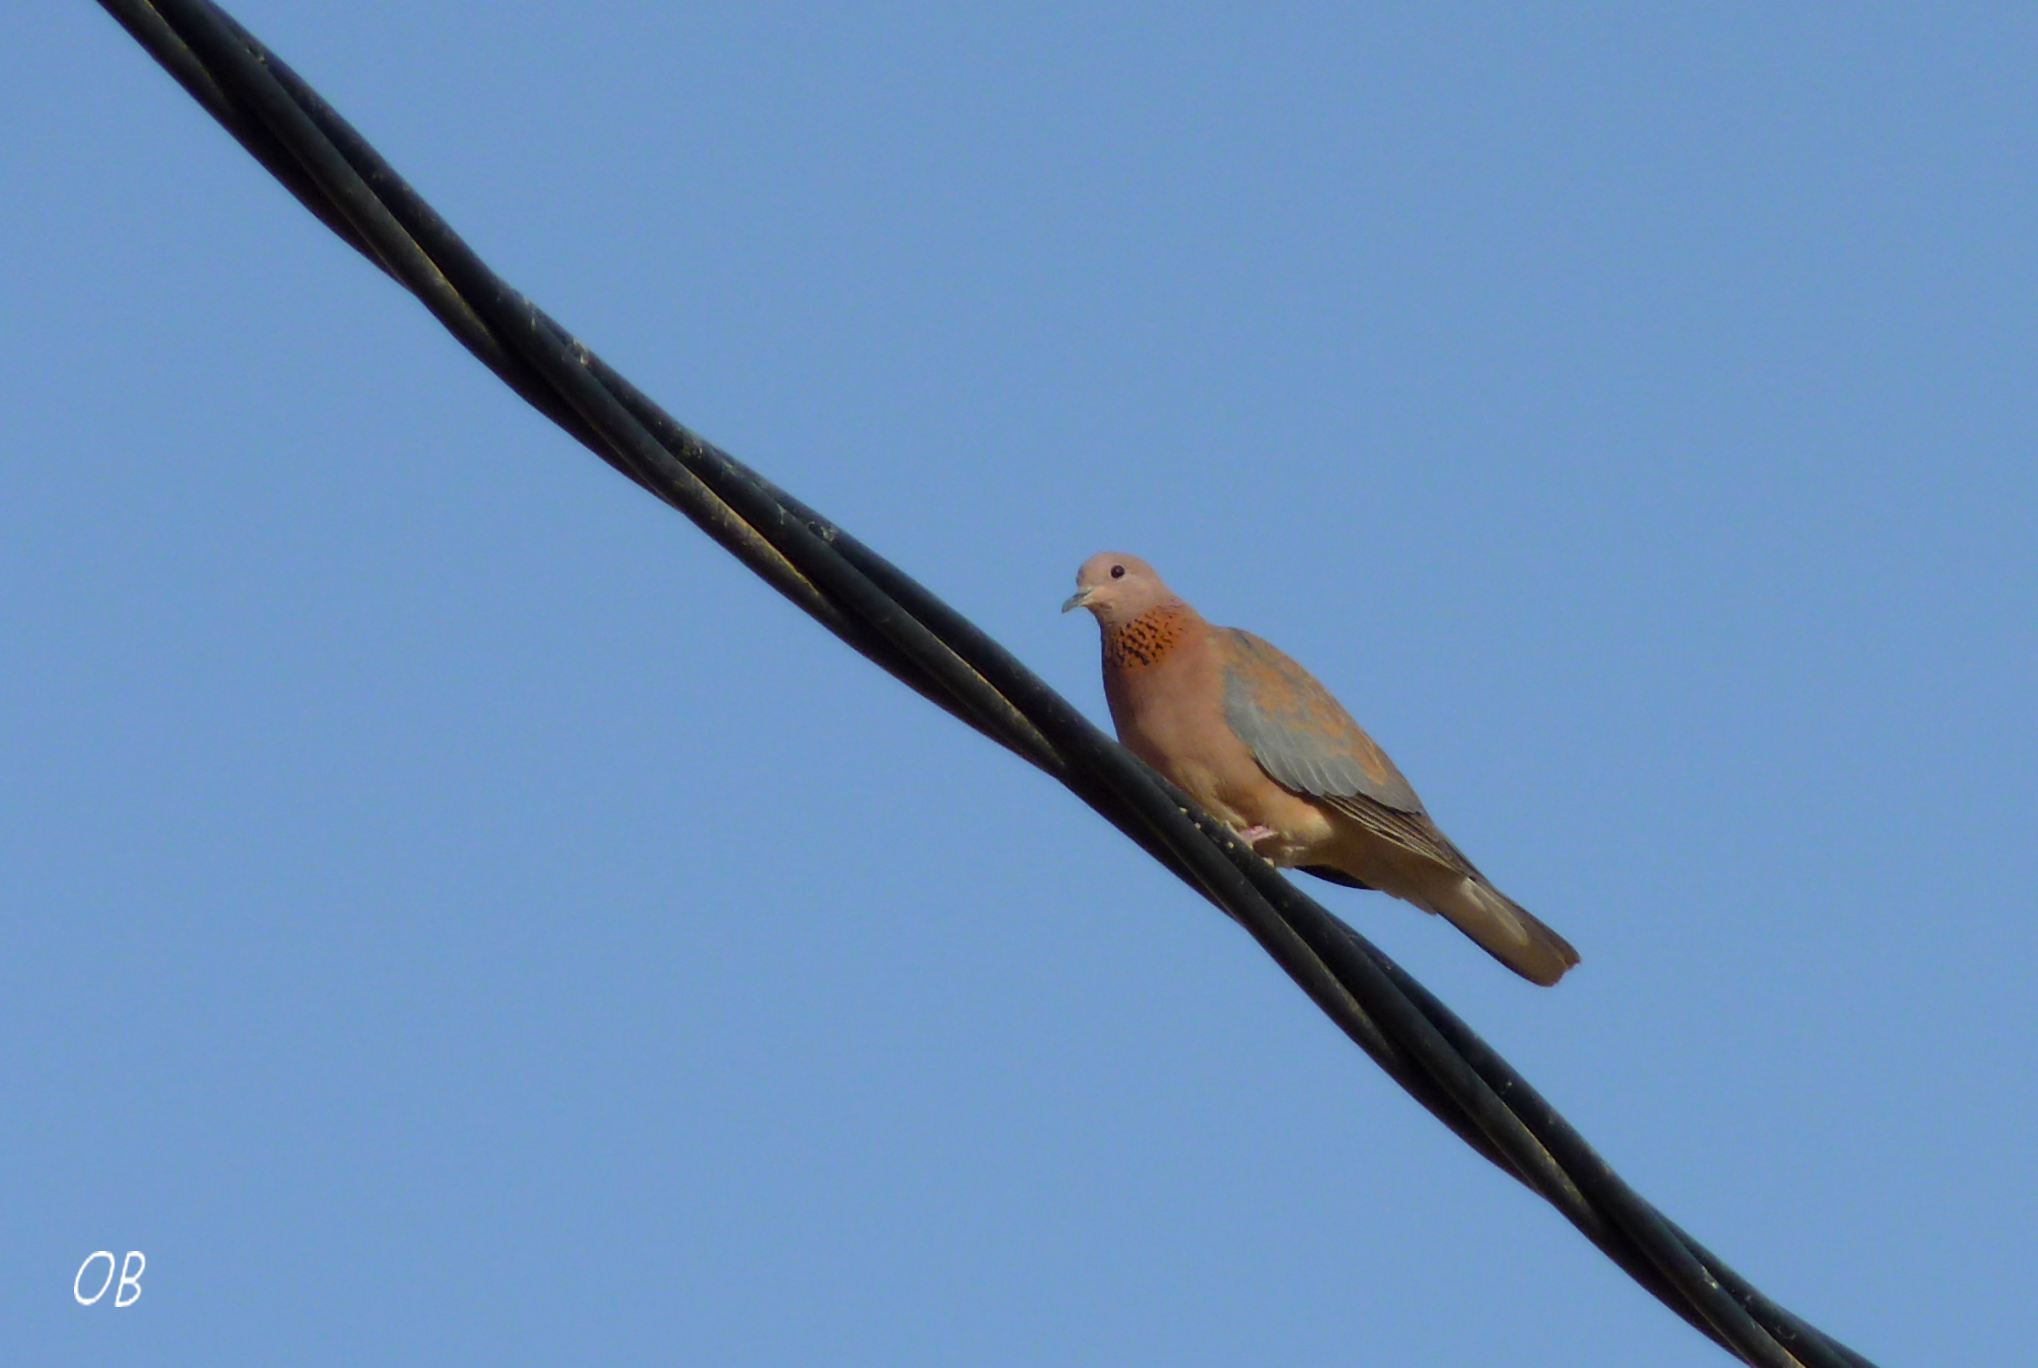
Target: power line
[{"x": 930, "y": 647}]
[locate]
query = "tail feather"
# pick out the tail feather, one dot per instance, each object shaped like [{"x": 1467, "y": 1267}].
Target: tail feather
[{"x": 1506, "y": 930}]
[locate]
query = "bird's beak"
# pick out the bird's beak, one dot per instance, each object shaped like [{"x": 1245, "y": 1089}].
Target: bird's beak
[{"x": 1080, "y": 599}]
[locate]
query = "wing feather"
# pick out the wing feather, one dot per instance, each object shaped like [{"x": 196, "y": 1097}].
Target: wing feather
[{"x": 1307, "y": 742}]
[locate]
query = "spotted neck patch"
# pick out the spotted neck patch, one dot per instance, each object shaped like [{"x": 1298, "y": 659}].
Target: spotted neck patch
[{"x": 1147, "y": 638}]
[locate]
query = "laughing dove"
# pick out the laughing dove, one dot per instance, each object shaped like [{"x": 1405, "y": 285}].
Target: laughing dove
[{"x": 1249, "y": 735}]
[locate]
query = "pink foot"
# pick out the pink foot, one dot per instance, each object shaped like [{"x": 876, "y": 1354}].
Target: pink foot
[{"x": 1253, "y": 835}]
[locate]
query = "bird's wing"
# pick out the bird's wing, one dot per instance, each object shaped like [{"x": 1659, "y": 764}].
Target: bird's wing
[{"x": 1308, "y": 743}]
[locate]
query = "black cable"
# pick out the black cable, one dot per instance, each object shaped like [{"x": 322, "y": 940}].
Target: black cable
[{"x": 913, "y": 635}]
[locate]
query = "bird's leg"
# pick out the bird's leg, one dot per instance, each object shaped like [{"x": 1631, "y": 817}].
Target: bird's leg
[{"x": 1253, "y": 835}]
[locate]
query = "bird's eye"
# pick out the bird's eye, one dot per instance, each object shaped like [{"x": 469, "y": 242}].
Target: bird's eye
[{"x": 1117, "y": 572}]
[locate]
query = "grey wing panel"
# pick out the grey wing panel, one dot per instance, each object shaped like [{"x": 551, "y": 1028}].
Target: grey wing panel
[{"x": 1299, "y": 734}]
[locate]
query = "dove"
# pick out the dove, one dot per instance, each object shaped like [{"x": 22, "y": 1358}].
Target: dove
[{"x": 1254, "y": 739}]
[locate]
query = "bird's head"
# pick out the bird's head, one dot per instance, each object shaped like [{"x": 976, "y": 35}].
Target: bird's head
[{"x": 1117, "y": 588}]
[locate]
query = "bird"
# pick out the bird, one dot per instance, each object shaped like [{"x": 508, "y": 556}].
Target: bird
[{"x": 1254, "y": 739}]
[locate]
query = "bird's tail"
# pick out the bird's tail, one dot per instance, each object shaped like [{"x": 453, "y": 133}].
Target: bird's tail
[{"x": 1507, "y": 931}]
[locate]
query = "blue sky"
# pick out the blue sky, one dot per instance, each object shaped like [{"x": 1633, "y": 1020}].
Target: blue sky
[{"x": 451, "y": 911}]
